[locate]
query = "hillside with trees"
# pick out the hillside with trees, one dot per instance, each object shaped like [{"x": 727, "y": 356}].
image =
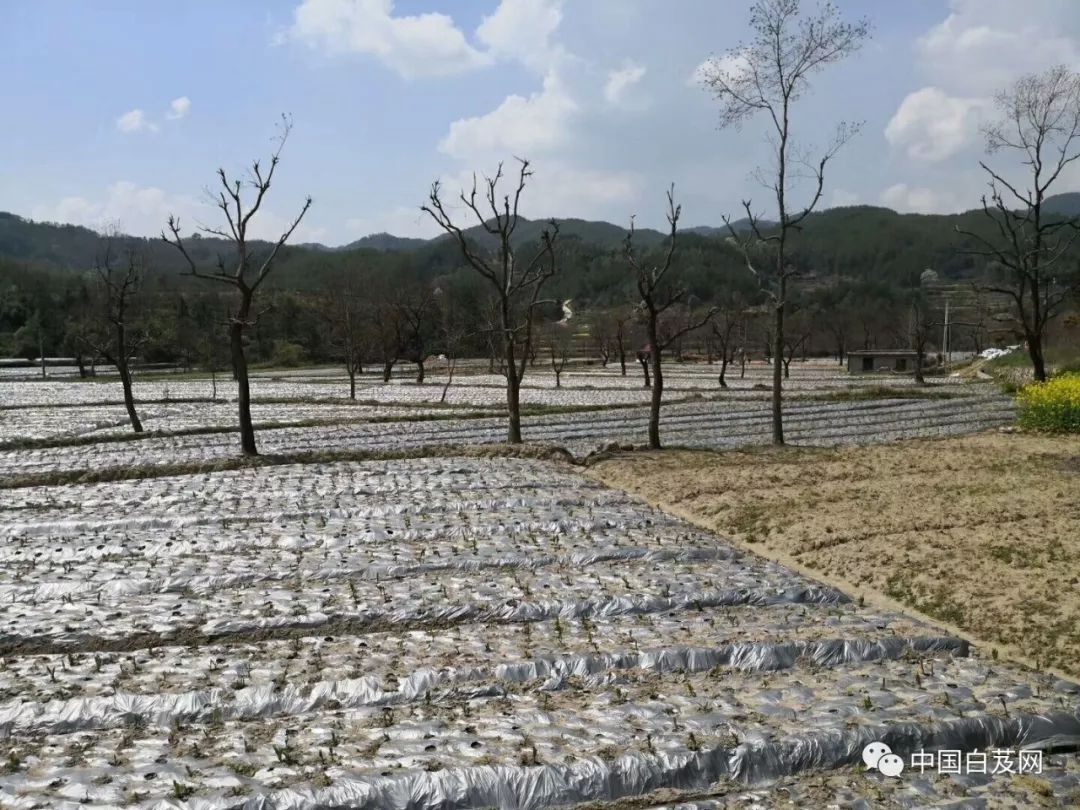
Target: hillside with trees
[{"x": 858, "y": 263}]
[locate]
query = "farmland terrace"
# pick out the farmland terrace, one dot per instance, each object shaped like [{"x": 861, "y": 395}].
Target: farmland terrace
[
  {"x": 65, "y": 426},
  {"x": 461, "y": 633},
  {"x": 450, "y": 631}
]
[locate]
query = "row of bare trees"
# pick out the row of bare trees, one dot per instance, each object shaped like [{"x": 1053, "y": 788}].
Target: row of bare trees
[{"x": 762, "y": 78}]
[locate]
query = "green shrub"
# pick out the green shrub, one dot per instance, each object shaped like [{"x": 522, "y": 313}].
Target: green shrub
[{"x": 288, "y": 354}]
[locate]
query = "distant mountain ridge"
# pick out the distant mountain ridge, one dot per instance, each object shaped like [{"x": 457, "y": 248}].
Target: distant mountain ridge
[{"x": 74, "y": 246}]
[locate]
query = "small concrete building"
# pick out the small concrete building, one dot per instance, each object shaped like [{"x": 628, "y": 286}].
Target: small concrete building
[{"x": 879, "y": 360}]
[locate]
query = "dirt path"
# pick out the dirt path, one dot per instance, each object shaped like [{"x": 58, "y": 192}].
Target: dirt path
[{"x": 981, "y": 533}]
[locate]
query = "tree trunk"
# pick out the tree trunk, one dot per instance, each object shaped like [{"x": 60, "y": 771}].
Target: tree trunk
[
  {"x": 787, "y": 367},
  {"x": 387, "y": 368},
  {"x": 420, "y": 372},
  {"x": 622, "y": 362},
  {"x": 1035, "y": 352},
  {"x": 129, "y": 397},
  {"x": 645, "y": 368},
  {"x": 352, "y": 382},
  {"x": 919, "y": 367},
  {"x": 122, "y": 368},
  {"x": 82, "y": 366},
  {"x": 513, "y": 381},
  {"x": 449, "y": 379},
  {"x": 240, "y": 372},
  {"x": 777, "y": 378},
  {"x": 723, "y": 367},
  {"x": 657, "y": 388},
  {"x": 558, "y": 378}
]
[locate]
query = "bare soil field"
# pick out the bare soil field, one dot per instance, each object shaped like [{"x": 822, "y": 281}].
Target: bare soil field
[{"x": 979, "y": 532}]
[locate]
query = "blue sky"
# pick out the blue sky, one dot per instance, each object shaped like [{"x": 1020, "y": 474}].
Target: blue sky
[{"x": 119, "y": 111}]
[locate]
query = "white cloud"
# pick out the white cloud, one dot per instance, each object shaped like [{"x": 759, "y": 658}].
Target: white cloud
[
  {"x": 730, "y": 64},
  {"x": 135, "y": 209},
  {"x": 522, "y": 30},
  {"x": 931, "y": 125},
  {"x": 521, "y": 126},
  {"x": 621, "y": 82},
  {"x": 178, "y": 108},
  {"x": 412, "y": 45},
  {"x": 399, "y": 220},
  {"x": 135, "y": 121},
  {"x": 984, "y": 45},
  {"x": 919, "y": 200},
  {"x": 144, "y": 210},
  {"x": 841, "y": 197},
  {"x": 559, "y": 189}
]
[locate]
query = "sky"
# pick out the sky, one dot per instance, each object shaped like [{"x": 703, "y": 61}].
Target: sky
[{"x": 117, "y": 113}]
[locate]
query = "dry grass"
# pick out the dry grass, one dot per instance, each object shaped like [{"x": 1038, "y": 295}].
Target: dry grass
[{"x": 980, "y": 532}]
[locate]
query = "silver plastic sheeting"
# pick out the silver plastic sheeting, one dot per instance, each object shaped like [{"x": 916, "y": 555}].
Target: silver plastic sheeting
[
  {"x": 635, "y": 774},
  {"x": 515, "y": 611},
  {"x": 748, "y": 656},
  {"x": 374, "y": 573},
  {"x": 164, "y": 710}
]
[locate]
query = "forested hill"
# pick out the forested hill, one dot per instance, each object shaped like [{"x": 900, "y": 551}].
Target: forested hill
[{"x": 860, "y": 242}]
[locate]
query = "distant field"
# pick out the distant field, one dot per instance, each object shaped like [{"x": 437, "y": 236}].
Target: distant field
[{"x": 50, "y": 426}]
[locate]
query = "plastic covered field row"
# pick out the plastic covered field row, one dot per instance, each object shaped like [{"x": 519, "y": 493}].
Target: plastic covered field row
[
  {"x": 745, "y": 423},
  {"x": 538, "y": 386},
  {"x": 111, "y": 420},
  {"x": 389, "y": 657},
  {"x": 528, "y": 559},
  {"x": 89, "y": 626},
  {"x": 443, "y": 686},
  {"x": 633, "y": 635},
  {"x": 754, "y": 724},
  {"x": 117, "y": 587},
  {"x": 636, "y": 774}
]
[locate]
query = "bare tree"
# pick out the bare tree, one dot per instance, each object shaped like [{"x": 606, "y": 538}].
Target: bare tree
[
  {"x": 919, "y": 327},
  {"x": 452, "y": 335},
  {"x": 385, "y": 328},
  {"x": 416, "y": 307},
  {"x": 644, "y": 356},
  {"x": 659, "y": 293},
  {"x": 602, "y": 337},
  {"x": 247, "y": 271},
  {"x": 1040, "y": 123},
  {"x": 768, "y": 75},
  {"x": 516, "y": 284},
  {"x": 120, "y": 341},
  {"x": 725, "y": 331},
  {"x": 558, "y": 341},
  {"x": 796, "y": 335},
  {"x": 624, "y": 320},
  {"x": 346, "y": 319}
]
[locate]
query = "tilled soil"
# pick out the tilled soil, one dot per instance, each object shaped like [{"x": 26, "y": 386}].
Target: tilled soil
[{"x": 981, "y": 532}]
